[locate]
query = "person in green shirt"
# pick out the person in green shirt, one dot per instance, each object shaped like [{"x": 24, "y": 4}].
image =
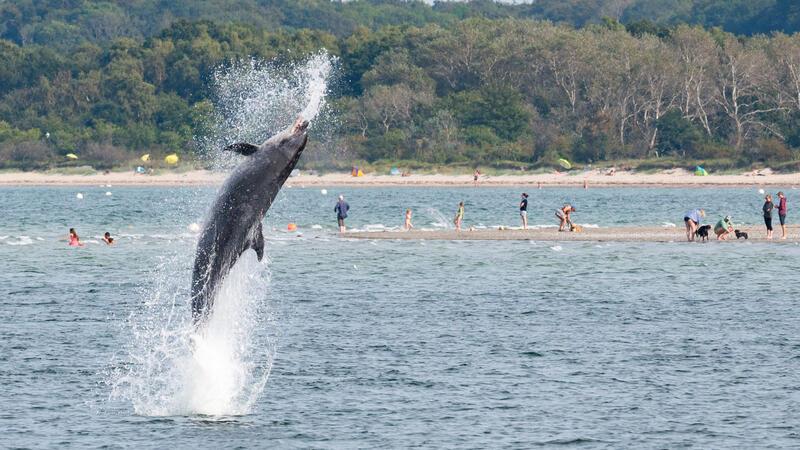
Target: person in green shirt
[
  {"x": 723, "y": 228},
  {"x": 459, "y": 216}
]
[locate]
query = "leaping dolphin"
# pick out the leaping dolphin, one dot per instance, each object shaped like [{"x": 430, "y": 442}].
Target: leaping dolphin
[{"x": 234, "y": 221}]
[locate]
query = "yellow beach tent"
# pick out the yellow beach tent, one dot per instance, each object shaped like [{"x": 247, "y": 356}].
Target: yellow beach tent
[
  {"x": 171, "y": 159},
  {"x": 71, "y": 156},
  {"x": 145, "y": 157}
]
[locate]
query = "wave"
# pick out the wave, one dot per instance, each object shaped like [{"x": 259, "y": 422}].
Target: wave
[{"x": 21, "y": 240}]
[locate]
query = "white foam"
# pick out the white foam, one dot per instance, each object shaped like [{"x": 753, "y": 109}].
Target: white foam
[
  {"x": 22, "y": 240},
  {"x": 668, "y": 225},
  {"x": 556, "y": 248},
  {"x": 316, "y": 227}
]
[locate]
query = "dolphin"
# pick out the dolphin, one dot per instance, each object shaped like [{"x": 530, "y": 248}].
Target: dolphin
[{"x": 234, "y": 221}]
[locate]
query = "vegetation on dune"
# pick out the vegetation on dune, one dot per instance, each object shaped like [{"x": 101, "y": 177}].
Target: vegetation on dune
[{"x": 461, "y": 83}]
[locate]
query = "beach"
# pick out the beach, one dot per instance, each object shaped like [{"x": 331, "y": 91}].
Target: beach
[
  {"x": 612, "y": 234},
  {"x": 593, "y": 178}
]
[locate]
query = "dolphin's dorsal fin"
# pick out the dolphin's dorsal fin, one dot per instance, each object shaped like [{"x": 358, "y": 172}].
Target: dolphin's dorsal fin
[
  {"x": 241, "y": 148},
  {"x": 257, "y": 241}
]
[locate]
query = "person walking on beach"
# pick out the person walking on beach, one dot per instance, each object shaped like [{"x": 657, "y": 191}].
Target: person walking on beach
[
  {"x": 523, "y": 210},
  {"x": 565, "y": 223},
  {"x": 459, "y": 216},
  {"x": 692, "y": 220},
  {"x": 767, "y": 209},
  {"x": 782, "y": 213},
  {"x": 74, "y": 240},
  {"x": 408, "y": 225},
  {"x": 341, "y": 210},
  {"x": 475, "y": 176}
]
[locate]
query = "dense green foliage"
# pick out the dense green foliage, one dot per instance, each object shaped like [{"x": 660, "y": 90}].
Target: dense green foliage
[{"x": 472, "y": 82}]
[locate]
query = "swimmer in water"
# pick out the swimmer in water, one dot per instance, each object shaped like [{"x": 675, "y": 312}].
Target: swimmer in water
[
  {"x": 408, "y": 225},
  {"x": 74, "y": 240},
  {"x": 108, "y": 239}
]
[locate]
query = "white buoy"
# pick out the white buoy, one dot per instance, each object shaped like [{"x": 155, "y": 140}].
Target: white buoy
[
  {"x": 324, "y": 192},
  {"x": 194, "y": 228},
  {"x": 761, "y": 191},
  {"x": 108, "y": 193},
  {"x": 79, "y": 196}
]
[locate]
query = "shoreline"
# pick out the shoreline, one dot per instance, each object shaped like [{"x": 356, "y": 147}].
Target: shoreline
[
  {"x": 612, "y": 234},
  {"x": 674, "y": 178}
]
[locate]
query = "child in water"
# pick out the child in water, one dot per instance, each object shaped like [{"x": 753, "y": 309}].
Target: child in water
[
  {"x": 74, "y": 240},
  {"x": 459, "y": 216},
  {"x": 108, "y": 239},
  {"x": 408, "y": 225}
]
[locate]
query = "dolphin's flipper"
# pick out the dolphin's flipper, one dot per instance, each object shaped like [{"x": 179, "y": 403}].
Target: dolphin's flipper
[
  {"x": 257, "y": 243},
  {"x": 241, "y": 148}
]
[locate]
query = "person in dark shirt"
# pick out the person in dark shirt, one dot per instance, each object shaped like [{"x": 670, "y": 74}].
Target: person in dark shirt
[
  {"x": 767, "y": 209},
  {"x": 782, "y": 213},
  {"x": 523, "y": 210},
  {"x": 341, "y": 210}
]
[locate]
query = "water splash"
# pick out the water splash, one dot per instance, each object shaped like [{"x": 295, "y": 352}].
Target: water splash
[
  {"x": 440, "y": 221},
  {"x": 254, "y": 100},
  {"x": 220, "y": 369}
]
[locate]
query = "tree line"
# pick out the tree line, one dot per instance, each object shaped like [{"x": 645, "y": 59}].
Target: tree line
[
  {"x": 67, "y": 23},
  {"x": 502, "y": 91}
]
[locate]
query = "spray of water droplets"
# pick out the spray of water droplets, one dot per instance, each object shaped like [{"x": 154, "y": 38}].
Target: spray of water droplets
[
  {"x": 254, "y": 100},
  {"x": 170, "y": 367}
]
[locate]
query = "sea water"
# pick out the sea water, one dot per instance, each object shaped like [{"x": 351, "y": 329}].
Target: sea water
[{"x": 395, "y": 343}]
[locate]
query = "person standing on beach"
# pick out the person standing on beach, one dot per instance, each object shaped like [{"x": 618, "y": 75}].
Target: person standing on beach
[
  {"x": 341, "y": 210},
  {"x": 782, "y": 213},
  {"x": 459, "y": 216},
  {"x": 475, "y": 176},
  {"x": 767, "y": 209},
  {"x": 692, "y": 220},
  {"x": 523, "y": 210},
  {"x": 408, "y": 225}
]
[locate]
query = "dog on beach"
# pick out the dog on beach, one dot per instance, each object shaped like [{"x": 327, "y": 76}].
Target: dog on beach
[
  {"x": 702, "y": 232},
  {"x": 575, "y": 228},
  {"x": 741, "y": 234}
]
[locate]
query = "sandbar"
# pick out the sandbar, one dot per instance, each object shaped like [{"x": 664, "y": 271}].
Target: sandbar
[{"x": 611, "y": 234}]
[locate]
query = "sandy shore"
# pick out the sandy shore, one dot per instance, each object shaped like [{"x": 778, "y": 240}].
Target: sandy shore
[
  {"x": 593, "y": 179},
  {"x": 619, "y": 234}
]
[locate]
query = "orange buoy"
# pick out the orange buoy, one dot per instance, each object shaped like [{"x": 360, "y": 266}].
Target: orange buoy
[{"x": 291, "y": 227}]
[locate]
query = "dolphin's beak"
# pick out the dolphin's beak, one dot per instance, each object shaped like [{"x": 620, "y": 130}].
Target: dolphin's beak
[{"x": 300, "y": 125}]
